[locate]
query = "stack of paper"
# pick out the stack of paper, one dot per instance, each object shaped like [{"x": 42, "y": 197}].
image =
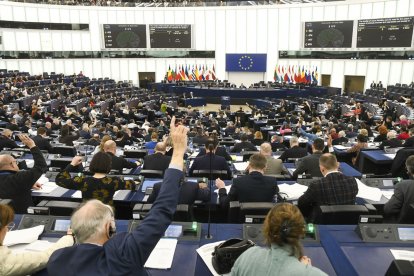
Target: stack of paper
[
  {"x": 293, "y": 191},
  {"x": 77, "y": 194},
  {"x": 367, "y": 192},
  {"x": 390, "y": 155},
  {"x": 241, "y": 167},
  {"x": 162, "y": 255},
  {"x": 205, "y": 254},
  {"x": 340, "y": 147},
  {"x": 23, "y": 236},
  {"x": 43, "y": 179},
  {"x": 402, "y": 254},
  {"x": 388, "y": 193},
  {"x": 47, "y": 188}
]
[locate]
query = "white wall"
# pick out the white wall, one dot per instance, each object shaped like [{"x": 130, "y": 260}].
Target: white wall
[{"x": 244, "y": 29}]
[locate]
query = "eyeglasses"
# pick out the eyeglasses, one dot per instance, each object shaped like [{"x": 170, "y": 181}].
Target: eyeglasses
[{"x": 10, "y": 226}]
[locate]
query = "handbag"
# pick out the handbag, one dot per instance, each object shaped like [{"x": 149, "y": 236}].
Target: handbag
[{"x": 226, "y": 254}]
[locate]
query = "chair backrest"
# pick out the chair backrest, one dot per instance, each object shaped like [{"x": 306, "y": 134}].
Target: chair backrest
[
  {"x": 246, "y": 155},
  {"x": 184, "y": 212},
  {"x": 152, "y": 173},
  {"x": 59, "y": 208},
  {"x": 340, "y": 214},
  {"x": 238, "y": 211},
  {"x": 214, "y": 174},
  {"x": 139, "y": 153},
  {"x": 64, "y": 151},
  {"x": 408, "y": 217}
]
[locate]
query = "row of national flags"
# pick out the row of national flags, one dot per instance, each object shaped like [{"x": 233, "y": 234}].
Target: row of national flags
[
  {"x": 190, "y": 73},
  {"x": 296, "y": 74}
]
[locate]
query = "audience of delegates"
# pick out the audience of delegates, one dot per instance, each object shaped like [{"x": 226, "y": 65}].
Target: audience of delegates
[
  {"x": 253, "y": 187},
  {"x": 157, "y": 161},
  {"x": 333, "y": 189},
  {"x": 283, "y": 230},
  {"x": 6, "y": 140},
  {"x": 27, "y": 262},
  {"x": 16, "y": 184},
  {"x": 98, "y": 186},
  {"x": 403, "y": 197},
  {"x": 99, "y": 251}
]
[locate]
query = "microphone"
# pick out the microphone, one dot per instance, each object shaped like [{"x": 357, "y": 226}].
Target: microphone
[{"x": 211, "y": 149}]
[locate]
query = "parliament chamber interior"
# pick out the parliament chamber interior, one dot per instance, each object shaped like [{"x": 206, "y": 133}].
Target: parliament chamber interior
[{"x": 207, "y": 137}]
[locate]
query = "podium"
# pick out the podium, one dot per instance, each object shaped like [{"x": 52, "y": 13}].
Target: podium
[{"x": 225, "y": 102}]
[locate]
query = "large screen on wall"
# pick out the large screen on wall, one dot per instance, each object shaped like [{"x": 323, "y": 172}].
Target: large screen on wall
[
  {"x": 170, "y": 36},
  {"x": 124, "y": 36},
  {"x": 385, "y": 32},
  {"x": 328, "y": 34}
]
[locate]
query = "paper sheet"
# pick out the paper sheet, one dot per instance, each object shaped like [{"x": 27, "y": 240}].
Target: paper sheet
[
  {"x": 402, "y": 254},
  {"x": 367, "y": 192},
  {"x": 194, "y": 154},
  {"x": 227, "y": 189},
  {"x": 276, "y": 156},
  {"x": 43, "y": 179},
  {"x": 241, "y": 167},
  {"x": 291, "y": 170},
  {"x": 162, "y": 255},
  {"x": 205, "y": 254},
  {"x": 47, "y": 188},
  {"x": 387, "y": 193},
  {"x": 237, "y": 158},
  {"x": 78, "y": 194},
  {"x": 23, "y": 236},
  {"x": 29, "y": 163},
  {"x": 293, "y": 191},
  {"x": 340, "y": 147},
  {"x": 390, "y": 155}
]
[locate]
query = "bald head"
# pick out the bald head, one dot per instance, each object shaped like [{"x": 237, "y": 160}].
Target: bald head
[
  {"x": 160, "y": 147},
  {"x": 8, "y": 163},
  {"x": 266, "y": 149},
  {"x": 110, "y": 146}
]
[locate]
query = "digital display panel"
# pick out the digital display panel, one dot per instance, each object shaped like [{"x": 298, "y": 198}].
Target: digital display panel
[
  {"x": 125, "y": 36},
  {"x": 406, "y": 234},
  {"x": 328, "y": 34},
  {"x": 385, "y": 32},
  {"x": 61, "y": 225},
  {"x": 170, "y": 36}
]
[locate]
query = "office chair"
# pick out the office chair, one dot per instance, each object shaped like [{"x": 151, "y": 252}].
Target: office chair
[
  {"x": 340, "y": 214},
  {"x": 152, "y": 173},
  {"x": 214, "y": 173},
  {"x": 238, "y": 211},
  {"x": 138, "y": 153},
  {"x": 183, "y": 212},
  {"x": 59, "y": 208},
  {"x": 64, "y": 151}
]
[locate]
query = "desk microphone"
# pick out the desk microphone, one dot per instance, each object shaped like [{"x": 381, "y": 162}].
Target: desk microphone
[{"x": 210, "y": 182}]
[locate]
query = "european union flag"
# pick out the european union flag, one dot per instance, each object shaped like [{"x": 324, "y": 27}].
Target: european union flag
[{"x": 246, "y": 62}]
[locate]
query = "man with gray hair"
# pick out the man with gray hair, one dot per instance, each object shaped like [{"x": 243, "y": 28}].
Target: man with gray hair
[
  {"x": 273, "y": 166},
  {"x": 392, "y": 141},
  {"x": 341, "y": 139},
  {"x": 295, "y": 151},
  {"x": 99, "y": 251}
]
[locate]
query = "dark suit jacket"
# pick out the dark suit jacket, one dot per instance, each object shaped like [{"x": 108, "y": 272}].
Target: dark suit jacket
[
  {"x": 254, "y": 187},
  {"x": 399, "y": 204},
  {"x": 42, "y": 143},
  {"x": 295, "y": 152},
  {"x": 203, "y": 163},
  {"x": 189, "y": 192},
  {"x": 409, "y": 142},
  {"x": 278, "y": 147},
  {"x": 125, "y": 253},
  {"x": 243, "y": 146},
  {"x": 220, "y": 151},
  {"x": 7, "y": 143},
  {"x": 200, "y": 140},
  {"x": 119, "y": 163},
  {"x": 68, "y": 139},
  {"x": 393, "y": 143},
  {"x": 334, "y": 189},
  {"x": 17, "y": 185},
  {"x": 156, "y": 161},
  {"x": 339, "y": 141},
  {"x": 308, "y": 164}
]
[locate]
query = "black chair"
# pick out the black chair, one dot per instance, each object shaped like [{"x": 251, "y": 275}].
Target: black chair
[
  {"x": 340, "y": 214},
  {"x": 152, "y": 173},
  {"x": 139, "y": 153},
  {"x": 408, "y": 217},
  {"x": 227, "y": 143},
  {"x": 184, "y": 212},
  {"x": 214, "y": 174},
  {"x": 64, "y": 151},
  {"x": 59, "y": 208},
  {"x": 246, "y": 155},
  {"x": 398, "y": 164},
  {"x": 238, "y": 212}
]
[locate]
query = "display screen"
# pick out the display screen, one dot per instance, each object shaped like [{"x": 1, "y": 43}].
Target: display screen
[
  {"x": 173, "y": 231},
  {"x": 125, "y": 36},
  {"x": 170, "y": 36},
  {"x": 387, "y": 182},
  {"x": 328, "y": 34},
  {"x": 61, "y": 225},
  {"x": 406, "y": 234},
  {"x": 385, "y": 32},
  {"x": 149, "y": 184}
]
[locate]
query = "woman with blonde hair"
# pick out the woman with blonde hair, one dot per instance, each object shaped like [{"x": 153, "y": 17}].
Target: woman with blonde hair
[
  {"x": 283, "y": 229},
  {"x": 13, "y": 263},
  {"x": 258, "y": 138}
]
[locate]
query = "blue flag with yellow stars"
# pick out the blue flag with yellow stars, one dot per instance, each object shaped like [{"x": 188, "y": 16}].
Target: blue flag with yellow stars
[{"x": 246, "y": 62}]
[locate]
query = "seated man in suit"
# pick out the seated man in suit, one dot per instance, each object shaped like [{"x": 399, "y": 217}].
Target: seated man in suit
[
  {"x": 98, "y": 251},
  {"x": 341, "y": 139},
  {"x": 391, "y": 141},
  {"x": 118, "y": 163},
  {"x": 189, "y": 192},
  {"x": 6, "y": 141},
  {"x": 41, "y": 141},
  {"x": 217, "y": 162},
  {"x": 157, "y": 161},
  {"x": 243, "y": 145},
  {"x": 399, "y": 204},
  {"x": 277, "y": 143},
  {"x": 295, "y": 151},
  {"x": 310, "y": 164},
  {"x": 273, "y": 166},
  {"x": 254, "y": 187},
  {"x": 333, "y": 189}
]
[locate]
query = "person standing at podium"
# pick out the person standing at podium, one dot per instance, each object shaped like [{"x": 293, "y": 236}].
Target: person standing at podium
[
  {"x": 101, "y": 252},
  {"x": 283, "y": 229}
]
